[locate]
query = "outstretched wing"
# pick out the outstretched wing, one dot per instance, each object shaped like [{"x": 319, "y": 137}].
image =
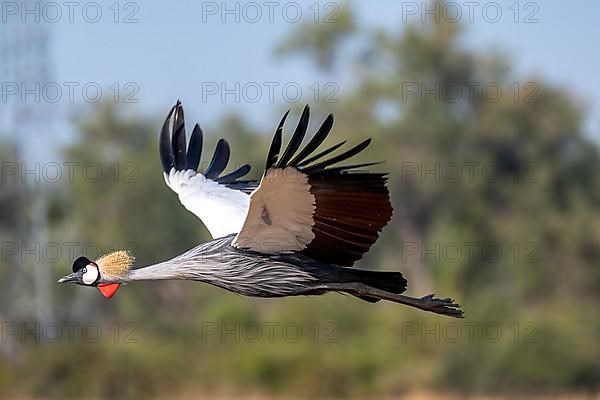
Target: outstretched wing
[
  {"x": 305, "y": 203},
  {"x": 220, "y": 201}
]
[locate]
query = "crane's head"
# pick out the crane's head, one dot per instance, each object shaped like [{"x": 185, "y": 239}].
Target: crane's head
[{"x": 100, "y": 273}]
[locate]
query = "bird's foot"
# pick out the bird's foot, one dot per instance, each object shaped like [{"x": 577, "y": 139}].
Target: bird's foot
[{"x": 445, "y": 306}]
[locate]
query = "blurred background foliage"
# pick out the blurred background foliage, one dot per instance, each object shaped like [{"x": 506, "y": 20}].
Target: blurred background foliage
[{"x": 548, "y": 195}]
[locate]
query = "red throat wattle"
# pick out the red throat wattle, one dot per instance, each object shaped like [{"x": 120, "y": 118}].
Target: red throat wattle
[{"x": 108, "y": 290}]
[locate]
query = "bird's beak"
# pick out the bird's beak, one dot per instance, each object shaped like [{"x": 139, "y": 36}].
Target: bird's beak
[{"x": 68, "y": 278}]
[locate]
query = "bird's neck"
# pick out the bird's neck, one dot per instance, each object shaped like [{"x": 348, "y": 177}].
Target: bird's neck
[
  {"x": 165, "y": 270},
  {"x": 193, "y": 264}
]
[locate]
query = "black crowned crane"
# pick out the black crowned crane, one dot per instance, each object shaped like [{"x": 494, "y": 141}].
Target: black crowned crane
[{"x": 296, "y": 232}]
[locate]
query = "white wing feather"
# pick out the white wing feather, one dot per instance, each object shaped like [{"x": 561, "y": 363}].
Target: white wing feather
[{"x": 221, "y": 209}]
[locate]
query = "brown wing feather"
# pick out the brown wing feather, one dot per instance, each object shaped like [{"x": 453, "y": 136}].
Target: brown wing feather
[
  {"x": 350, "y": 211},
  {"x": 332, "y": 215},
  {"x": 280, "y": 214}
]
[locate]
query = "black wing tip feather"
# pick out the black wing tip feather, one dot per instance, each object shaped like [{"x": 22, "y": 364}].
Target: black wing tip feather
[
  {"x": 179, "y": 142},
  {"x": 314, "y": 168},
  {"x": 232, "y": 176},
  {"x": 164, "y": 144},
  {"x": 173, "y": 152},
  {"x": 275, "y": 147},
  {"x": 315, "y": 141},
  {"x": 296, "y": 139},
  {"x": 195, "y": 148},
  {"x": 352, "y": 168},
  {"x": 304, "y": 160},
  {"x": 219, "y": 160}
]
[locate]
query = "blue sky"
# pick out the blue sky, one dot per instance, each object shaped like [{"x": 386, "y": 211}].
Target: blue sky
[{"x": 177, "y": 48}]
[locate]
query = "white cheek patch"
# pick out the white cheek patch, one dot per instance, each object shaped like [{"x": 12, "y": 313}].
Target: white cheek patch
[{"x": 90, "y": 275}]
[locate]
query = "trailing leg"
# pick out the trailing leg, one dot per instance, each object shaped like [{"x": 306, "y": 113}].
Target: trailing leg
[{"x": 425, "y": 303}]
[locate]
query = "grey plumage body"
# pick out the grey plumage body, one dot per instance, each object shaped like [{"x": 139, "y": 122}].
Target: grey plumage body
[
  {"x": 251, "y": 273},
  {"x": 247, "y": 273}
]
